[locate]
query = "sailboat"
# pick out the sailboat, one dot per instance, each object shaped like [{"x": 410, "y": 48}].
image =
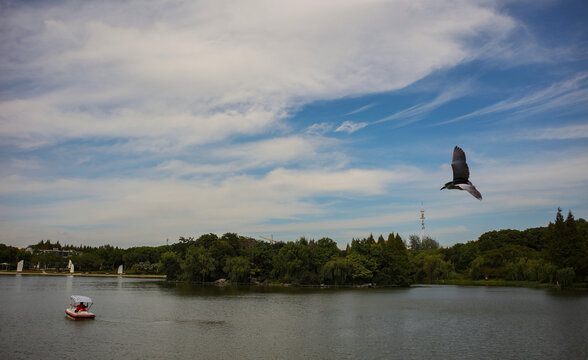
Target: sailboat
[
  {"x": 70, "y": 266},
  {"x": 19, "y": 266},
  {"x": 120, "y": 269}
]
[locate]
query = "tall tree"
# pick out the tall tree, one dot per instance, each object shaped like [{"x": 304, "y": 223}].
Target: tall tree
[
  {"x": 199, "y": 263},
  {"x": 238, "y": 269},
  {"x": 565, "y": 246}
]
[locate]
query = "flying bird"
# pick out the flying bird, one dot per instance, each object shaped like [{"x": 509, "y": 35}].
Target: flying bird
[{"x": 461, "y": 174}]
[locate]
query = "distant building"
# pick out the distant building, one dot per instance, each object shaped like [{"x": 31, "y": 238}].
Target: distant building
[{"x": 64, "y": 253}]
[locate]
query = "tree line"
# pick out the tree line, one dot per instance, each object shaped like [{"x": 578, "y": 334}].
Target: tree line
[{"x": 557, "y": 253}]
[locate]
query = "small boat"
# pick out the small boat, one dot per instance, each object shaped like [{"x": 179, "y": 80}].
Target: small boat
[{"x": 78, "y": 308}]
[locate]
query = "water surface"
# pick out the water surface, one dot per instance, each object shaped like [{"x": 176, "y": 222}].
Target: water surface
[{"x": 153, "y": 319}]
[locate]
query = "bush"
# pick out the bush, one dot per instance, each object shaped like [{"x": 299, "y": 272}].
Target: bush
[
  {"x": 170, "y": 265},
  {"x": 516, "y": 271},
  {"x": 565, "y": 276},
  {"x": 546, "y": 273}
]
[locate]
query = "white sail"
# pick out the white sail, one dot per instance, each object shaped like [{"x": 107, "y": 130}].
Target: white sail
[
  {"x": 71, "y": 267},
  {"x": 20, "y": 266},
  {"x": 120, "y": 269}
]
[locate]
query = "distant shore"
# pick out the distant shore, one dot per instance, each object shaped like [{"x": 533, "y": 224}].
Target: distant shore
[{"x": 84, "y": 274}]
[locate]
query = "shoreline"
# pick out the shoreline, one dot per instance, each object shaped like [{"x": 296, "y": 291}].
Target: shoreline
[{"x": 84, "y": 275}]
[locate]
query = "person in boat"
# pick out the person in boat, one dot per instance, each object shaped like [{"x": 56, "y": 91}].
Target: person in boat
[{"x": 81, "y": 307}]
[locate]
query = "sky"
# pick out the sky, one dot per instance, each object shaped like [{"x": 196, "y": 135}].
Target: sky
[{"x": 134, "y": 123}]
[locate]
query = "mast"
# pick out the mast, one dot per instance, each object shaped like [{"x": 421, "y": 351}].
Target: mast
[{"x": 422, "y": 222}]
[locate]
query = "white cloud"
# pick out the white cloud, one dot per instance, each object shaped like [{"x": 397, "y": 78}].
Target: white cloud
[
  {"x": 361, "y": 109},
  {"x": 576, "y": 131},
  {"x": 153, "y": 70},
  {"x": 559, "y": 95},
  {"x": 351, "y": 127},
  {"x": 319, "y": 128},
  {"x": 212, "y": 86},
  {"x": 171, "y": 207},
  {"x": 417, "y": 112}
]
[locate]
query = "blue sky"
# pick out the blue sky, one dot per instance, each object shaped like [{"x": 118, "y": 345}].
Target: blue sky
[{"x": 129, "y": 124}]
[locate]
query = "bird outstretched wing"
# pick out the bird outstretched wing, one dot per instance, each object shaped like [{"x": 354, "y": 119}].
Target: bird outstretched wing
[
  {"x": 459, "y": 166},
  {"x": 469, "y": 187}
]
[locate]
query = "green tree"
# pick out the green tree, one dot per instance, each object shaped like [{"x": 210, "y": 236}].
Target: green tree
[
  {"x": 8, "y": 254},
  {"x": 393, "y": 262},
  {"x": 261, "y": 255},
  {"x": 325, "y": 250},
  {"x": 170, "y": 265},
  {"x": 206, "y": 240},
  {"x": 136, "y": 255},
  {"x": 477, "y": 268},
  {"x": 564, "y": 245},
  {"x": 199, "y": 264},
  {"x": 112, "y": 256},
  {"x": 565, "y": 276},
  {"x": 294, "y": 263},
  {"x": 221, "y": 250},
  {"x": 238, "y": 269},
  {"x": 430, "y": 266},
  {"x": 516, "y": 270},
  {"x": 234, "y": 241},
  {"x": 363, "y": 267},
  {"x": 85, "y": 262},
  {"x": 546, "y": 273},
  {"x": 462, "y": 255},
  {"x": 23, "y": 254},
  {"x": 428, "y": 243},
  {"x": 338, "y": 271}
]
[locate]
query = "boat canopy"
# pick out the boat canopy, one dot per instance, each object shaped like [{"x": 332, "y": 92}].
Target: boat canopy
[{"x": 78, "y": 299}]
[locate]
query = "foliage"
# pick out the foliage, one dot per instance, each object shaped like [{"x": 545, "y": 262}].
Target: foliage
[
  {"x": 199, "y": 264},
  {"x": 294, "y": 263},
  {"x": 565, "y": 276},
  {"x": 238, "y": 268},
  {"x": 431, "y": 266},
  {"x": 8, "y": 254},
  {"x": 427, "y": 243},
  {"x": 83, "y": 262},
  {"x": 462, "y": 255},
  {"x": 170, "y": 265},
  {"x": 144, "y": 267},
  {"x": 557, "y": 253},
  {"x": 337, "y": 272},
  {"x": 565, "y": 246}
]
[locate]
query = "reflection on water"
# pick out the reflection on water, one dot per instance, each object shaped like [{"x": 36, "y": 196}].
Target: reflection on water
[{"x": 151, "y": 319}]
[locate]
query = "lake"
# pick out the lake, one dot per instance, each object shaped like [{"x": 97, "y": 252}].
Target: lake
[{"x": 154, "y": 319}]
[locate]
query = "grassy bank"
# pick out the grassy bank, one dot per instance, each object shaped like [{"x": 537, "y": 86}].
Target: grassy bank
[{"x": 87, "y": 274}]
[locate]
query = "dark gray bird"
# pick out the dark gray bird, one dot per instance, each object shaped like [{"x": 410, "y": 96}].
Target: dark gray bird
[{"x": 461, "y": 175}]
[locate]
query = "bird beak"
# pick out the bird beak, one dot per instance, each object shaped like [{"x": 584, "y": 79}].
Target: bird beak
[{"x": 443, "y": 187}]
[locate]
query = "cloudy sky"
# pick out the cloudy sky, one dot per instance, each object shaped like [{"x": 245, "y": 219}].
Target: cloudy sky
[{"x": 129, "y": 123}]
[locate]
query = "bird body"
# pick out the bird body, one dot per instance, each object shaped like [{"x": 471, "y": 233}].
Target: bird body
[{"x": 461, "y": 174}]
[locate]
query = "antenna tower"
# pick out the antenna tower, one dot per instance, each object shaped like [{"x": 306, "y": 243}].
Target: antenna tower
[{"x": 423, "y": 222}]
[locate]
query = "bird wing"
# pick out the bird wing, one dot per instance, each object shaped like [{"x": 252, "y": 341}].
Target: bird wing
[
  {"x": 459, "y": 166},
  {"x": 469, "y": 187}
]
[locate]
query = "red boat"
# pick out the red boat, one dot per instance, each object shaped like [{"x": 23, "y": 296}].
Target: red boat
[{"x": 78, "y": 308}]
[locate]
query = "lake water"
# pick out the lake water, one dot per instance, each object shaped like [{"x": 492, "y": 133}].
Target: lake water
[{"x": 153, "y": 319}]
